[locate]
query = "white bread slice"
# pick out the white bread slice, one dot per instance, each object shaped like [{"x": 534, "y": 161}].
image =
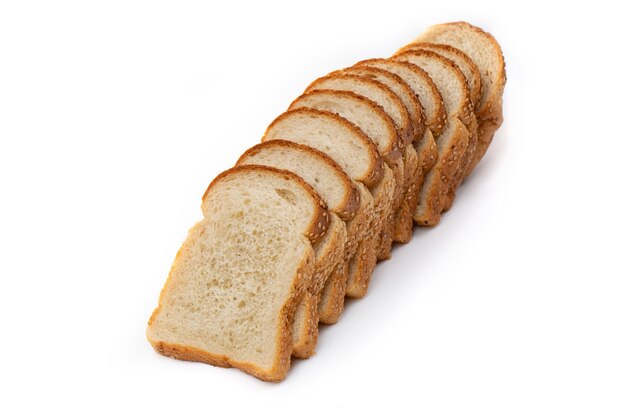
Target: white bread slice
[
  {"x": 466, "y": 65},
  {"x": 455, "y": 92},
  {"x": 403, "y": 218},
  {"x": 486, "y": 53},
  {"x": 352, "y": 150},
  {"x": 367, "y": 116},
  {"x": 401, "y": 89},
  {"x": 472, "y": 78},
  {"x": 342, "y": 198},
  {"x": 329, "y": 254},
  {"x": 422, "y": 85},
  {"x": 435, "y": 119},
  {"x": 382, "y": 95},
  {"x": 231, "y": 294}
]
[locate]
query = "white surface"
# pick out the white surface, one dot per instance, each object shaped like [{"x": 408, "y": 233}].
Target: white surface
[{"x": 115, "y": 116}]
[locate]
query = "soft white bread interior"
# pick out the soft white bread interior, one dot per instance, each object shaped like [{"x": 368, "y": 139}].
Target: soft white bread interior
[
  {"x": 456, "y": 96},
  {"x": 377, "y": 125},
  {"x": 384, "y": 97},
  {"x": 234, "y": 286},
  {"x": 342, "y": 198},
  {"x": 403, "y": 219},
  {"x": 352, "y": 150},
  {"x": 486, "y": 53}
]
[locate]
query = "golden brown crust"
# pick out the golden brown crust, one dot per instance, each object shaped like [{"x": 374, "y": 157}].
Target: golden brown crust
[
  {"x": 327, "y": 258},
  {"x": 349, "y": 206},
  {"x": 375, "y": 171},
  {"x": 464, "y": 113},
  {"x": 332, "y": 297},
  {"x": 321, "y": 219},
  {"x": 403, "y": 217},
  {"x": 490, "y": 106},
  {"x": 360, "y": 228},
  {"x": 393, "y": 150},
  {"x": 282, "y": 361},
  {"x": 404, "y": 129},
  {"x": 435, "y": 123},
  {"x": 464, "y": 62},
  {"x": 486, "y": 130},
  {"x": 433, "y": 198},
  {"x": 404, "y": 92},
  {"x": 465, "y": 109}
]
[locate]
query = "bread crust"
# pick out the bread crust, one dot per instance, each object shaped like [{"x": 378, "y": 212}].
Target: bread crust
[
  {"x": 391, "y": 152},
  {"x": 471, "y": 72},
  {"x": 306, "y": 326},
  {"x": 321, "y": 220},
  {"x": 433, "y": 198},
  {"x": 374, "y": 172},
  {"x": 490, "y": 104},
  {"x": 404, "y": 130},
  {"x": 438, "y": 121},
  {"x": 465, "y": 113},
  {"x": 332, "y": 302},
  {"x": 400, "y": 227},
  {"x": 282, "y": 362},
  {"x": 417, "y": 122},
  {"x": 393, "y": 159},
  {"x": 350, "y": 204}
]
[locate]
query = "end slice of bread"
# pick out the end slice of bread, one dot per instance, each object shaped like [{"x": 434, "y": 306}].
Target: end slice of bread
[{"x": 234, "y": 286}]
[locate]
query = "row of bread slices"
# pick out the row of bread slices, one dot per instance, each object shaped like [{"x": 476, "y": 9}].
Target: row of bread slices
[{"x": 360, "y": 157}]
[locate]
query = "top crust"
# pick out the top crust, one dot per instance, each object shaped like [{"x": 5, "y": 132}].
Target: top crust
[
  {"x": 321, "y": 219},
  {"x": 402, "y": 119},
  {"x": 372, "y": 173},
  {"x": 347, "y": 208},
  {"x": 464, "y": 108},
  {"x": 463, "y": 62},
  {"x": 390, "y": 150},
  {"x": 402, "y": 90},
  {"x": 423, "y": 85},
  {"x": 485, "y": 51}
]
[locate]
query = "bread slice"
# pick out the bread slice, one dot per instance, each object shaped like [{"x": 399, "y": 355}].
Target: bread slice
[
  {"x": 232, "y": 292},
  {"x": 399, "y": 88},
  {"x": 392, "y": 105},
  {"x": 403, "y": 218},
  {"x": 455, "y": 92},
  {"x": 341, "y": 197},
  {"x": 370, "y": 118},
  {"x": 423, "y": 86},
  {"x": 486, "y": 53},
  {"x": 461, "y": 60},
  {"x": 435, "y": 119},
  {"x": 329, "y": 254},
  {"x": 358, "y": 157},
  {"x": 472, "y": 77}
]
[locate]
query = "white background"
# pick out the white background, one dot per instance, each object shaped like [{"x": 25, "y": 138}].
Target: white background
[{"x": 115, "y": 116}]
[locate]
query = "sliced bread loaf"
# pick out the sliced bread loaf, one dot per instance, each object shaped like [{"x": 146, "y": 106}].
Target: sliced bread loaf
[
  {"x": 371, "y": 119},
  {"x": 358, "y": 157},
  {"x": 403, "y": 219},
  {"x": 472, "y": 77},
  {"x": 486, "y": 53},
  {"x": 435, "y": 119},
  {"x": 455, "y": 92},
  {"x": 393, "y": 106},
  {"x": 342, "y": 199},
  {"x": 461, "y": 60},
  {"x": 234, "y": 286}
]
